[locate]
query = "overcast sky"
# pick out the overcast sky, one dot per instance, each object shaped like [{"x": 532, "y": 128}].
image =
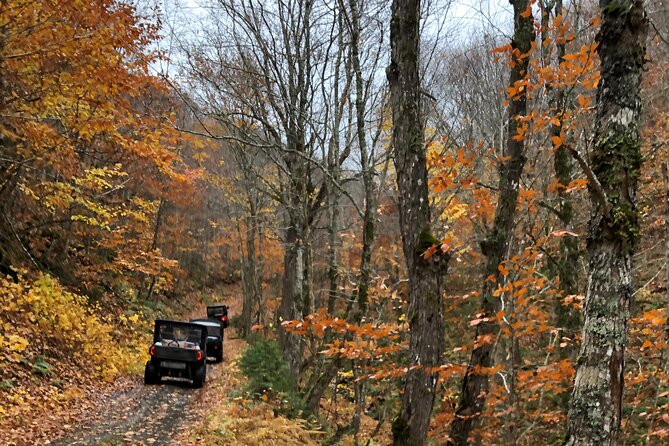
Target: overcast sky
[{"x": 462, "y": 21}]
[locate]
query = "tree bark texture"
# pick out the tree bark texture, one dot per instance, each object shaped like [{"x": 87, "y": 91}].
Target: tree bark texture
[
  {"x": 595, "y": 408},
  {"x": 368, "y": 231},
  {"x": 251, "y": 281},
  {"x": 425, "y": 302},
  {"x": 568, "y": 318},
  {"x": 246, "y": 292},
  {"x": 292, "y": 297},
  {"x": 665, "y": 178},
  {"x": 496, "y": 245},
  {"x": 333, "y": 248},
  {"x": 154, "y": 244}
]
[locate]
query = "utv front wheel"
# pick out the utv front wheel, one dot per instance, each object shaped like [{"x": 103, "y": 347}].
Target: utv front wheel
[
  {"x": 151, "y": 375},
  {"x": 199, "y": 375}
]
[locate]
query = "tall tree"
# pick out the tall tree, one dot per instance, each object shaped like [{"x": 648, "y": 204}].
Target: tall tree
[
  {"x": 496, "y": 245},
  {"x": 566, "y": 263},
  {"x": 425, "y": 272},
  {"x": 595, "y": 409},
  {"x": 87, "y": 159},
  {"x": 261, "y": 73}
]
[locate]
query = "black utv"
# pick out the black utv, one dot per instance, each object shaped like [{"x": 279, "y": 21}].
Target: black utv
[
  {"x": 214, "y": 338},
  {"x": 179, "y": 351},
  {"x": 220, "y": 313}
]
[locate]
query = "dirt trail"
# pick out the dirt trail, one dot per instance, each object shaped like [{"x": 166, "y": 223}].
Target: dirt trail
[
  {"x": 142, "y": 415},
  {"x": 157, "y": 415}
]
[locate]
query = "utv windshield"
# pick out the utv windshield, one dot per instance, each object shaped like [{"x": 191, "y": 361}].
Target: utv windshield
[
  {"x": 213, "y": 328},
  {"x": 217, "y": 311},
  {"x": 183, "y": 336},
  {"x": 214, "y": 331}
]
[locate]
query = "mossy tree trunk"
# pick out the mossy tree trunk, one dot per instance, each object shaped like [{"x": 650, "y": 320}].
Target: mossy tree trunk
[
  {"x": 292, "y": 298},
  {"x": 595, "y": 408},
  {"x": 252, "y": 279},
  {"x": 495, "y": 247},
  {"x": 294, "y": 289},
  {"x": 425, "y": 303},
  {"x": 665, "y": 178},
  {"x": 568, "y": 318}
]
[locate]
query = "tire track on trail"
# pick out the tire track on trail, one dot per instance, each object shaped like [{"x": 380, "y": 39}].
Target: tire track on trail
[{"x": 142, "y": 415}]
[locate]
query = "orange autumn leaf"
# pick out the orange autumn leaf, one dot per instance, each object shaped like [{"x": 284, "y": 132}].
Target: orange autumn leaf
[
  {"x": 583, "y": 101},
  {"x": 563, "y": 233},
  {"x": 647, "y": 344}
]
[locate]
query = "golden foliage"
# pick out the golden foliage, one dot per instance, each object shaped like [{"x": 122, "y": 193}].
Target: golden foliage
[{"x": 42, "y": 323}]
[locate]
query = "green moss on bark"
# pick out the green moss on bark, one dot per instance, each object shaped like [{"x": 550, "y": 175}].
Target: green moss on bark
[{"x": 425, "y": 241}]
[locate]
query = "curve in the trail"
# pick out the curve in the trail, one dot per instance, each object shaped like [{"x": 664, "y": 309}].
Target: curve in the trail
[{"x": 143, "y": 415}]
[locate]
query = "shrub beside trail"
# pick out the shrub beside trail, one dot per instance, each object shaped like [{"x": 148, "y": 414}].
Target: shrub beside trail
[{"x": 52, "y": 341}]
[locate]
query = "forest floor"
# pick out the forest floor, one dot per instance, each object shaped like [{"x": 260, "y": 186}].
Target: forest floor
[{"x": 165, "y": 414}]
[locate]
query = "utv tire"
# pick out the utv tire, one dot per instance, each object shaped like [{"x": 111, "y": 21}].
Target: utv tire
[
  {"x": 219, "y": 357},
  {"x": 151, "y": 374},
  {"x": 199, "y": 376}
]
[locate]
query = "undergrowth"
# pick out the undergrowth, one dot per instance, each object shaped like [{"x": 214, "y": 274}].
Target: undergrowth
[
  {"x": 50, "y": 336},
  {"x": 234, "y": 417},
  {"x": 269, "y": 377}
]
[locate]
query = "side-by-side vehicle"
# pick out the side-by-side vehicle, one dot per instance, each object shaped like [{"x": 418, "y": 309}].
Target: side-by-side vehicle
[
  {"x": 219, "y": 313},
  {"x": 178, "y": 350},
  {"x": 214, "y": 337}
]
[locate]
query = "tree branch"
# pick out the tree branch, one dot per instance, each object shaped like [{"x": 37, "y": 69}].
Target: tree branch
[{"x": 596, "y": 187}]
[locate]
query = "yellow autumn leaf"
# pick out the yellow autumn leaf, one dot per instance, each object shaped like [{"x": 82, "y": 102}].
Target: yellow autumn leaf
[{"x": 17, "y": 343}]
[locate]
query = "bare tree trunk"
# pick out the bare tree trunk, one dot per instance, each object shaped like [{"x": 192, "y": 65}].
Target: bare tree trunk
[
  {"x": 512, "y": 423},
  {"x": 295, "y": 299},
  {"x": 425, "y": 302},
  {"x": 292, "y": 298},
  {"x": 367, "y": 173},
  {"x": 333, "y": 251},
  {"x": 359, "y": 397},
  {"x": 246, "y": 294},
  {"x": 249, "y": 277},
  {"x": 568, "y": 318},
  {"x": 665, "y": 178},
  {"x": 353, "y": 23},
  {"x": 154, "y": 243},
  {"x": 257, "y": 306},
  {"x": 307, "y": 293},
  {"x": 282, "y": 57},
  {"x": 475, "y": 384},
  {"x": 315, "y": 393},
  {"x": 595, "y": 408}
]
